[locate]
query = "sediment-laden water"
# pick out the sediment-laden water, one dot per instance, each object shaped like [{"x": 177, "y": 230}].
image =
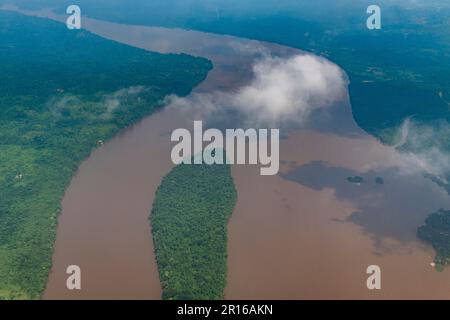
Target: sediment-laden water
[{"x": 305, "y": 233}]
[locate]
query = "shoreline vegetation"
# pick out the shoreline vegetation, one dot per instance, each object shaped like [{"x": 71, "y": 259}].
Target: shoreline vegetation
[
  {"x": 355, "y": 179},
  {"x": 63, "y": 93},
  {"x": 189, "y": 224},
  {"x": 386, "y": 86},
  {"x": 436, "y": 231},
  {"x": 395, "y": 73}
]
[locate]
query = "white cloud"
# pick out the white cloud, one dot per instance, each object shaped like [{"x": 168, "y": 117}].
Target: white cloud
[
  {"x": 115, "y": 100},
  {"x": 58, "y": 105},
  {"x": 283, "y": 90},
  {"x": 426, "y": 146},
  {"x": 62, "y": 105}
]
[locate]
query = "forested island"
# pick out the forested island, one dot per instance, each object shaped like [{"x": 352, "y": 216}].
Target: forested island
[
  {"x": 62, "y": 93},
  {"x": 189, "y": 223},
  {"x": 355, "y": 179},
  {"x": 436, "y": 232},
  {"x": 397, "y": 72}
]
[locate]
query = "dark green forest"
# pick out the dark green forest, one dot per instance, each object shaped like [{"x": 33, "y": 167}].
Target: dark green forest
[
  {"x": 355, "y": 179},
  {"x": 399, "y": 71},
  {"x": 189, "y": 222},
  {"x": 436, "y": 232},
  {"x": 62, "y": 92}
]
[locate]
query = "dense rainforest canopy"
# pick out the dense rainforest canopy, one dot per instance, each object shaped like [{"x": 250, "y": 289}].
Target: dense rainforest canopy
[
  {"x": 61, "y": 93},
  {"x": 189, "y": 222},
  {"x": 436, "y": 231},
  {"x": 400, "y": 71}
]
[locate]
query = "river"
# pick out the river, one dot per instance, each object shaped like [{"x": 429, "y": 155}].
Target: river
[{"x": 305, "y": 233}]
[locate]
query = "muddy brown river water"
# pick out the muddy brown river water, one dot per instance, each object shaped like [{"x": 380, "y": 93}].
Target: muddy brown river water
[{"x": 305, "y": 233}]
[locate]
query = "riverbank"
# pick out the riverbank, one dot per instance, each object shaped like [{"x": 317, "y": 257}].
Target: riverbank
[{"x": 306, "y": 233}]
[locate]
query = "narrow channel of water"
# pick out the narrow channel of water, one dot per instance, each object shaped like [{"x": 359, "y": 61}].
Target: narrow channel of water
[{"x": 103, "y": 226}]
